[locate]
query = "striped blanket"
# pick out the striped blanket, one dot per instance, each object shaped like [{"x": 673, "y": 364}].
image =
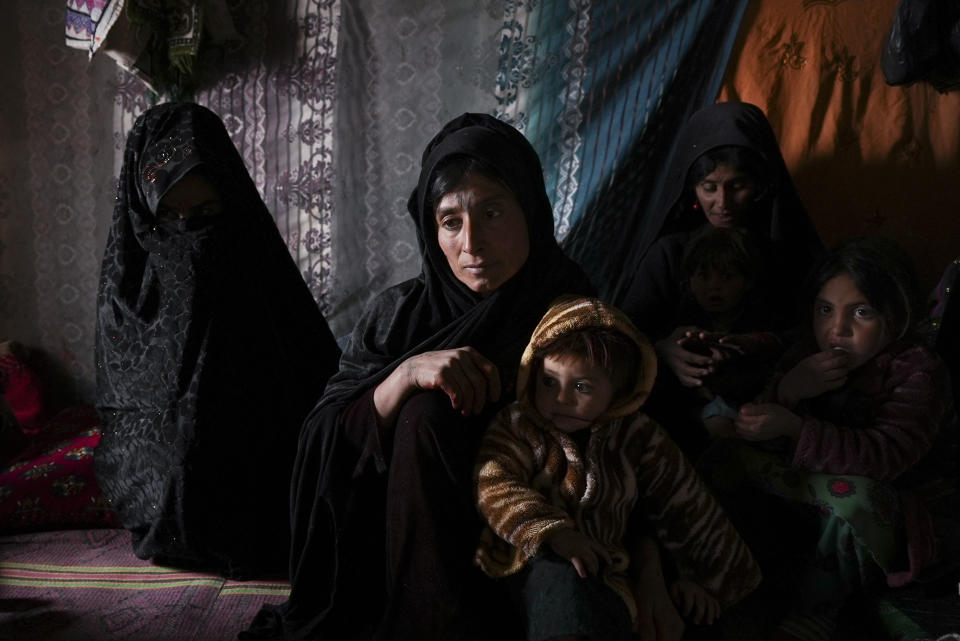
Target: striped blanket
[{"x": 79, "y": 585}]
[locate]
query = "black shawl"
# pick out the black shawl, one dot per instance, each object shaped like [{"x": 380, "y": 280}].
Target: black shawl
[
  {"x": 433, "y": 311},
  {"x": 778, "y": 222},
  {"x": 210, "y": 351}
]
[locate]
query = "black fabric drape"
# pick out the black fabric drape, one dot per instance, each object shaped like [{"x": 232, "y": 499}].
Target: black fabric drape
[
  {"x": 777, "y": 221},
  {"x": 345, "y": 491},
  {"x": 210, "y": 351}
]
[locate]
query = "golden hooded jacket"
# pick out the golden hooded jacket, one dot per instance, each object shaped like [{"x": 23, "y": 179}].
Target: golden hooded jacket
[{"x": 532, "y": 479}]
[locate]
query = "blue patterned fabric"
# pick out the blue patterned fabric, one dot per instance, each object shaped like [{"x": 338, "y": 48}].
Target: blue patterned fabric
[{"x": 614, "y": 62}]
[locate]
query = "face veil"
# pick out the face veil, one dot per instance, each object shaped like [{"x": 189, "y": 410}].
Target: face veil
[{"x": 209, "y": 349}]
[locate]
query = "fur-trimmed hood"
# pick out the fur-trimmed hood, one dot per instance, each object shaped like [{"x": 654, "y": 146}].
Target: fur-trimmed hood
[{"x": 570, "y": 314}]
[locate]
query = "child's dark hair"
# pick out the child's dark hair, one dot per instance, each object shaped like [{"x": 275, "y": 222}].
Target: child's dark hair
[
  {"x": 743, "y": 159},
  {"x": 603, "y": 347},
  {"x": 723, "y": 249},
  {"x": 882, "y": 270}
]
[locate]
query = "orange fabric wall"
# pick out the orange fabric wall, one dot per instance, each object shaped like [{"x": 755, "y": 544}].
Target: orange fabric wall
[{"x": 866, "y": 157}]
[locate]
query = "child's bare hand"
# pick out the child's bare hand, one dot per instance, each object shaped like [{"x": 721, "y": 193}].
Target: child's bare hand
[
  {"x": 814, "y": 375},
  {"x": 765, "y": 421},
  {"x": 695, "y": 603},
  {"x": 658, "y": 619},
  {"x": 584, "y": 554}
]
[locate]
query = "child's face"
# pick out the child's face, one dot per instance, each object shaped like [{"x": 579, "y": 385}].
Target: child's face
[
  {"x": 717, "y": 291},
  {"x": 844, "y": 320},
  {"x": 572, "y": 393}
]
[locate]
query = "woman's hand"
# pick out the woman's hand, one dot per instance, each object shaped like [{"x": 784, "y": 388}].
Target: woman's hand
[
  {"x": 584, "y": 554},
  {"x": 811, "y": 377},
  {"x": 468, "y": 379},
  {"x": 765, "y": 421},
  {"x": 696, "y": 604},
  {"x": 679, "y": 352},
  {"x": 750, "y": 343}
]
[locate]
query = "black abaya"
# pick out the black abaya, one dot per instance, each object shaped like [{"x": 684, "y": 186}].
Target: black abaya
[
  {"x": 384, "y": 521},
  {"x": 210, "y": 352}
]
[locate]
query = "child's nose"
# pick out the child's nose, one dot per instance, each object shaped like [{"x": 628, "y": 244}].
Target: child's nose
[
  {"x": 565, "y": 396},
  {"x": 841, "y": 325}
]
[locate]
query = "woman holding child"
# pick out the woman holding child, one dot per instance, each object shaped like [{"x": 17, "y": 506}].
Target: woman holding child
[
  {"x": 727, "y": 172},
  {"x": 383, "y": 514},
  {"x": 727, "y": 175}
]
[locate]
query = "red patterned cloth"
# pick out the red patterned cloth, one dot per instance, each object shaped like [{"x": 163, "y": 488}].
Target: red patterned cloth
[
  {"x": 51, "y": 483},
  {"x": 21, "y": 387},
  {"x": 46, "y": 481}
]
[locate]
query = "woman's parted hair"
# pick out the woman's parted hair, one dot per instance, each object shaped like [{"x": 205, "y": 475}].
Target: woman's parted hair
[
  {"x": 740, "y": 158},
  {"x": 451, "y": 171},
  {"x": 882, "y": 270}
]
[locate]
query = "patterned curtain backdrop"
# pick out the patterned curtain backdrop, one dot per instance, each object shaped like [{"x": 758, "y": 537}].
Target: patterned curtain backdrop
[
  {"x": 56, "y": 189},
  {"x": 330, "y": 103}
]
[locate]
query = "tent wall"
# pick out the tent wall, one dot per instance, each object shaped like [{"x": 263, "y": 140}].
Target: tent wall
[
  {"x": 330, "y": 103},
  {"x": 867, "y": 158}
]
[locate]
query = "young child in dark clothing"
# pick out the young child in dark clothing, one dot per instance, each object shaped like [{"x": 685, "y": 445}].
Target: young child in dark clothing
[{"x": 728, "y": 321}]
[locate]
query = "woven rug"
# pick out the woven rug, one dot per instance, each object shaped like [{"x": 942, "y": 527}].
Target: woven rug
[{"x": 87, "y": 585}]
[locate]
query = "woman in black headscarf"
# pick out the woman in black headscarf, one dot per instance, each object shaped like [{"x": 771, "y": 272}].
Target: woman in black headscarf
[
  {"x": 727, "y": 172},
  {"x": 383, "y": 514},
  {"x": 210, "y": 352}
]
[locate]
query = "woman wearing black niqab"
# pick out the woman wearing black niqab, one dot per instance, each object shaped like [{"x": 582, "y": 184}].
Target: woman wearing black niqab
[
  {"x": 383, "y": 514},
  {"x": 210, "y": 352}
]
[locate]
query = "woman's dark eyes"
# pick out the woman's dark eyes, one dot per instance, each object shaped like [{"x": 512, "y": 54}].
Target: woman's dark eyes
[{"x": 735, "y": 186}]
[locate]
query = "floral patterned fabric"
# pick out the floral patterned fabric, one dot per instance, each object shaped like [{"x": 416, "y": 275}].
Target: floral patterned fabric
[
  {"x": 51, "y": 483},
  {"x": 860, "y": 521},
  {"x": 329, "y": 104}
]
